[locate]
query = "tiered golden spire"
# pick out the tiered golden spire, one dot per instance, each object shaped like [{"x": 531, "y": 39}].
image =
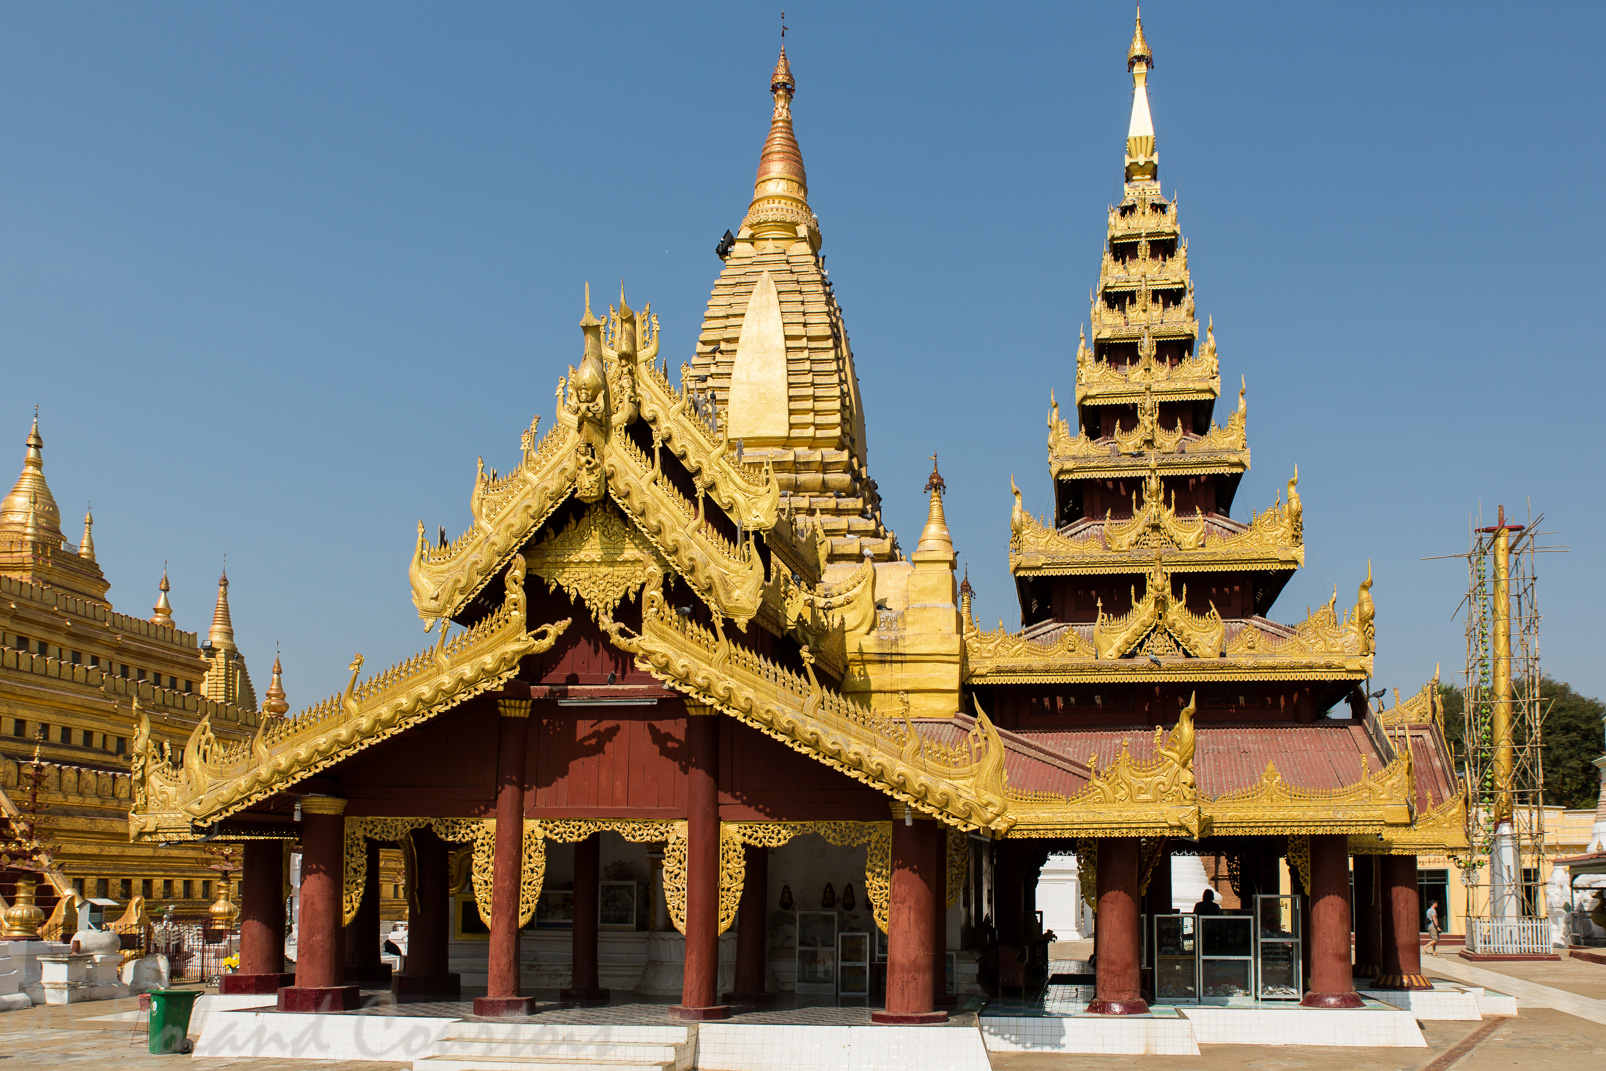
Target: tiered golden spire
[
  {"x": 30, "y": 509},
  {"x": 781, "y": 191},
  {"x": 162, "y": 612},
  {"x": 276, "y": 705},
  {"x": 221, "y": 635}
]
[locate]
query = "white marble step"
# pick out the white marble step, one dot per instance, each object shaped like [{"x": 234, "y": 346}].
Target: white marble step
[
  {"x": 533, "y": 1063},
  {"x": 634, "y": 1052}
]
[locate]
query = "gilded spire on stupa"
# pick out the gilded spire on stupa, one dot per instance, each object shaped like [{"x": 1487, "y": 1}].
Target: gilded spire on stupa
[
  {"x": 86, "y": 549},
  {"x": 30, "y": 508},
  {"x": 781, "y": 191},
  {"x": 1142, "y": 160},
  {"x": 221, "y": 634},
  {"x": 162, "y": 612},
  {"x": 275, "y": 704}
]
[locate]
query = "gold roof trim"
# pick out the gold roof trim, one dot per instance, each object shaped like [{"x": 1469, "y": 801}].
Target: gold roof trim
[
  {"x": 1424, "y": 708},
  {"x": 962, "y": 787},
  {"x": 1197, "y": 378},
  {"x": 1273, "y": 806},
  {"x": 1272, "y": 540},
  {"x": 1441, "y": 830},
  {"x": 216, "y": 780},
  {"x": 589, "y": 455}
]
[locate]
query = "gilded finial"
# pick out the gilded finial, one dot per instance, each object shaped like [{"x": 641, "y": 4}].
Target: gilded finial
[
  {"x": 221, "y": 634},
  {"x": 30, "y": 510},
  {"x": 86, "y": 548},
  {"x": 1139, "y": 52},
  {"x": 934, "y": 482},
  {"x": 780, "y": 204},
  {"x": 275, "y": 704},
  {"x": 162, "y": 612}
]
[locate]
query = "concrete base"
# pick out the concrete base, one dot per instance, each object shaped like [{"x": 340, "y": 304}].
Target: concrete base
[
  {"x": 325, "y": 1038},
  {"x": 1375, "y": 1025},
  {"x": 930, "y": 1018},
  {"x": 503, "y": 1007},
  {"x": 302, "y": 998},
  {"x": 1161, "y": 1032},
  {"x": 1439, "y": 1004},
  {"x": 264, "y": 984},
  {"x": 739, "y": 1047},
  {"x": 698, "y": 1015},
  {"x": 1497, "y": 957}
]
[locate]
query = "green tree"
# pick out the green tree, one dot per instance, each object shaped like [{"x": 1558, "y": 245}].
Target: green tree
[{"x": 1572, "y": 733}]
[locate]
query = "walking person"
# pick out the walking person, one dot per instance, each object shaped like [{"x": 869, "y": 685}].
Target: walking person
[{"x": 1433, "y": 927}]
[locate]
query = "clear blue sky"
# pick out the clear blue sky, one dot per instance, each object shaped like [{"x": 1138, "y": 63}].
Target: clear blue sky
[{"x": 276, "y": 274}]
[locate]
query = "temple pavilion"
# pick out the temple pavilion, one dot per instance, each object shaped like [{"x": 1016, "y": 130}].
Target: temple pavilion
[{"x": 678, "y": 633}]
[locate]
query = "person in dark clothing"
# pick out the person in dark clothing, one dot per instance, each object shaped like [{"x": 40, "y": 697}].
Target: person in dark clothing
[{"x": 1207, "y": 904}]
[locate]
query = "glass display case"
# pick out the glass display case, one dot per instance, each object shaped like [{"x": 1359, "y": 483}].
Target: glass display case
[
  {"x": 853, "y": 964},
  {"x": 816, "y": 952},
  {"x": 1279, "y": 973},
  {"x": 1226, "y": 957},
  {"x": 1176, "y": 958}
]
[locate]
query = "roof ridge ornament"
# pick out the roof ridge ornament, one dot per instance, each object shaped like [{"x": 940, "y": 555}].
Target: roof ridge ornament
[{"x": 1142, "y": 159}]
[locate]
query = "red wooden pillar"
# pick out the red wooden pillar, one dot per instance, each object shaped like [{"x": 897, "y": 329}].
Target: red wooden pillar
[
  {"x": 320, "y": 967},
  {"x": 752, "y": 929},
  {"x": 261, "y": 922},
  {"x": 939, "y": 922},
  {"x": 1368, "y": 918},
  {"x": 427, "y": 977},
  {"x": 1331, "y": 983},
  {"x": 1402, "y": 933},
  {"x": 1118, "y": 980},
  {"x": 583, "y": 983},
  {"x": 700, "y": 985},
  {"x": 507, "y": 862},
  {"x": 911, "y": 957}
]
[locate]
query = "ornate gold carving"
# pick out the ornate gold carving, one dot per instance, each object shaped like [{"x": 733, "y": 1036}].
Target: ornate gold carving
[
  {"x": 966, "y": 790},
  {"x": 958, "y": 864},
  {"x": 1147, "y": 436},
  {"x": 1154, "y": 525},
  {"x": 874, "y": 837},
  {"x": 1153, "y": 798},
  {"x": 1424, "y": 708},
  {"x": 1322, "y": 635},
  {"x": 599, "y": 558},
  {"x": 1114, "y": 637},
  {"x": 513, "y": 707},
  {"x": 1441, "y": 830},
  {"x": 674, "y": 876},
  {"x": 478, "y": 833},
  {"x": 1299, "y": 860},
  {"x": 989, "y": 650},
  {"x": 1273, "y": 806},
  {"x": 1087, "y": 871},
  {"x": 618, "y": 382},
  {"x": 216, "y": 780}
]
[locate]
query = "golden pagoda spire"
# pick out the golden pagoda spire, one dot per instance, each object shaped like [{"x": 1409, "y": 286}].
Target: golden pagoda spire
[
  {"x": 934, "y": 537},
  {"x": 1142, "y": 160},
  {"x": 221, "y": 635},
  {"x": 30, "y": 509},
  {"x": 86, "y": 549},
  {"x": 162, "y": 612},
  {"x": 276, "y": 705},
  {"x": 781, "y": 191}
]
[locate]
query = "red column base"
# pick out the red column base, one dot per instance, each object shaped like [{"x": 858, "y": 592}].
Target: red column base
[
  {"x": 411, "y": 988},
  {"x": 324, "y": 998},
  {"x": 584, "y": 996},
  {"x": 1332, "y": 1000},
  {"x": 699, "y": 1015},
  {"x": 1138, "y": 1006},
  {"x": 750, "y": 998},
  {"x": 377, "y": 975},
  {"x": 1400, "y": 982},
  {"x": 254, "y": 984},
  {"x": 886, "y": 1018},
  {"x": 503, "y": 1007}
]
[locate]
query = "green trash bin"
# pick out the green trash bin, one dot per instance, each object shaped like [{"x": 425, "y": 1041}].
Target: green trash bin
[{"x": 170, "y": 1020}]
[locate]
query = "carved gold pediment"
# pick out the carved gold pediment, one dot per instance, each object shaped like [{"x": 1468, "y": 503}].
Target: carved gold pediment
[
  {"x": 1424, "y": 708},
  {"x": 1115, "y": 636},
  {"x": 599, "y": 559},
  {"x": 1273, "y": 805}
]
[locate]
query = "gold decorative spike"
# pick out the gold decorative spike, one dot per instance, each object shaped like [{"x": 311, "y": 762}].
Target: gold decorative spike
[
  {"x": 221, "y": 634},
  {"x": 276, "y": 705},
  {"x": 86, "y": 548}
]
